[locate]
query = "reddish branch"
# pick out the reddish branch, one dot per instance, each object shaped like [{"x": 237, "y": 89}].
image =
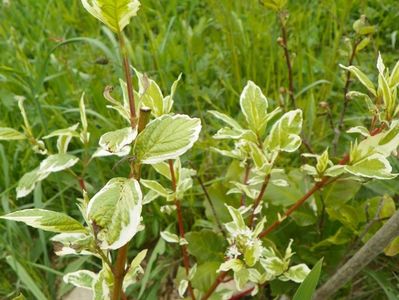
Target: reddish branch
[
  {"x": 213, "y": 287},
  {"x": 129, "y": 82},
  {"x": 242, "y": 294},
  {"x": 294, "y": 207},
  {"x": 119, "y": 269},
  {"x": 186, "y": 260},
  {"x": 324, "y": 182},
  {"x": 82, "y": 184},
  {"x": 299, "y": 202}
]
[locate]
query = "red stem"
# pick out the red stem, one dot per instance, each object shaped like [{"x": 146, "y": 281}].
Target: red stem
[
  {"x": 324, "y": 181},
  {"x": 129, "y": 82},
  {"x": 119, "y": 271},
  {"x": 186, "y": 260},
  {"x": 82, "y": 184},
  {"x": 213, "y": 287},
  {"x": 242, "y": 294},
  {"x": 314, "y": 189}
]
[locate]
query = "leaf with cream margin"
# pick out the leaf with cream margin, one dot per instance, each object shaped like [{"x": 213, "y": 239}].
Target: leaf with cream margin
[
  {"x": 82, "y": 278},
  {"x": 384, "y": 143},
  {"x": 70, "y": 131},
  {"x": 76, "y": 243},
  {"x": 116, "y": 211},
  {"x": 116, "y": 142},
  {"x": 284, "y": 135},
  {"x": 156, "y": 187},
  {"x": 57, "y": 162},
  {"x": 183, "y": 285},
  {"x": 226, "y": 119},
  {"x": 46, "y": 220},
  {"x": 28, "y": 182},
  {"x": 8, "y": 134},
  {"x": 134, "y": 269},
  {"x": 296, "y": 273},
  {"x": 166, "y": 137},
  {"x": 53, "y": 163},
  {"x": 102, "y": 285},
  {"x": 152, "y": 96},
  {"x": 168, "y": 100},
  {"x": 362, "y": 78},
  {"x": 254, "y": 107},
  {"x": 373, "y": 166},
  {"x": 169, "y": 237},
  {"x": 115, "y": 14}
]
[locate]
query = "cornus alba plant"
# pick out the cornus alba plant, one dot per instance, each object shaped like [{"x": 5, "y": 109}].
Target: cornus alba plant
[
  {"x": 154, "y": 135},
  {"x": 112, "y": 216}
]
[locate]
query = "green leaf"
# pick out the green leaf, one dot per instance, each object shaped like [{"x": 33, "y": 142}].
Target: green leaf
[
  {"x": 116, "y": 142},
  {"x": 82, "y": 278},
  {"x": 386, "y": 94},
  {"x": 134, "y": 269},
  {"x": 205, "y": 246},
  {"x": 384, "y": 281},
  {"x": 115, "y": 14},
  {"x": 363, "y": 44},
  {"x": 308, "y": 286},
  {"x": 116, "y": 211},
  {"x": 46, "y": 220},
  {"x": 166, "y": 137},
  {"x": 284, "y": 135},
  {"x": 163, "y": 169},
  {"x": 25, "y": 278},
  {"x": 254, "y": 107},
  {"x": 8, "y": 134},
  {"x": 205, "y": 275},
  {"x": 394, "y": 78},
  {"x": 156, "y": 187},
  {"x": 372, "y": 166}
]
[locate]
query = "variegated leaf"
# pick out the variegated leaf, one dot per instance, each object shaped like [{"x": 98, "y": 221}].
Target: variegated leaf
[{"x": 115, "y": 210}]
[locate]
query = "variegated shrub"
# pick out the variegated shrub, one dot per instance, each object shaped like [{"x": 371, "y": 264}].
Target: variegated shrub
[{"x": 152, "y": 134}]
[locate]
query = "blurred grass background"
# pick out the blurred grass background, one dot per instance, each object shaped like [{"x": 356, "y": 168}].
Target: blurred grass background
[{"x": 52, "y": 50}]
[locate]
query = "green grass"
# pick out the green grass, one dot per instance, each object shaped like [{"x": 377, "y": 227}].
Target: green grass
[{"x": 52, "y": 51}]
